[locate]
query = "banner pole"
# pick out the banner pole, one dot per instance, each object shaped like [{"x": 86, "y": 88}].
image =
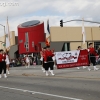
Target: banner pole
[
  {"x": 81, "y": 40},
  {"x": 82, "y": 33},
  {"x": 4, "y": 39},
  {"x": 91, "y": 34}
]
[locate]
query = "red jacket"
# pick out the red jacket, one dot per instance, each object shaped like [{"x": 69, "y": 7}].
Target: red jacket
[
  {"x": 44, "y": 55},
  {"x": 93, "y": 51},
  {"x": 1, "y": 57},
  {"x": 47, "y": 54}
]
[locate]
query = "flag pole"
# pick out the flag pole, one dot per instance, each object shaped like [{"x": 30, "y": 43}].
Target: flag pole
[
  {"x": 82, "y": 37},
  {"x": 82, "y": 34},
  {"x": 81, "y": 40},
  {"x": 91, "y": 35},
  {"x": 8, "y": 34},
  {"x": 4, "y": 39},
  {"x": 47, "y": 41}
]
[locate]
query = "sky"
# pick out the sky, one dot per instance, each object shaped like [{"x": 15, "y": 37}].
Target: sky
[{"x": 19, "y": 11}]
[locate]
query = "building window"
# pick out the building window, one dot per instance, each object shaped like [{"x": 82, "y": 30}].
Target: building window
[
  {"x": 32, "y": 44},
  {"x": 26, "y": 44},
  {"x": 96, "y": 45},
  {"x": 66, "y": 47}
]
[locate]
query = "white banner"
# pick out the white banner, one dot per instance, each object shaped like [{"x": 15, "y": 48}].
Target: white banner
[{"x": 67, "y": 56}]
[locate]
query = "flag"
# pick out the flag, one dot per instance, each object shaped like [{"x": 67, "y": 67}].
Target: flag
[
  {"x": 47, "y": 42},
  {"x": 83, "y": 32},
  {"x": 7, "y": 34}
]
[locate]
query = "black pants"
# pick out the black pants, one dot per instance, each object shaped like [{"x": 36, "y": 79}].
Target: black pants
[
  {"x": 49, "y": 65},
  {"x": 43, "y": 64},
  {"x": 3, "y": 67},
  {"x": 93, "y": 59},
  {"x": 46, "y": 66}
]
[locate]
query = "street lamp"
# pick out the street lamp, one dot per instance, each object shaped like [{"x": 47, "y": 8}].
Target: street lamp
[
  {"x": 4, "y": 28},
  {"x": 2, "y": 43},
  {"x": 80, "y": 20}
]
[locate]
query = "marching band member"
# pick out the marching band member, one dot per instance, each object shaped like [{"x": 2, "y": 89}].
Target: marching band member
[
  {"x": 79, "y": 48},
  {"x": 48, "y": 61},
  {"x": 2, "y": 63},
  {"x": 27, "y": 60},
  {"x": 54, "y": 58},
  {"x": 92, "y": 55},
  {"x": 7, "y": 63},
  {"x": 1, "y": 66},
  {"x": 42, "y": 60}
]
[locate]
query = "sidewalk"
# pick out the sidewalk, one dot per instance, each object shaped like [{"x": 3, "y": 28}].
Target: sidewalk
[{"x": 60, "y": 73}]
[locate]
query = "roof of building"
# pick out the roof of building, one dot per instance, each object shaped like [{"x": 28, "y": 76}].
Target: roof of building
[{"x": 30, "y": 23}]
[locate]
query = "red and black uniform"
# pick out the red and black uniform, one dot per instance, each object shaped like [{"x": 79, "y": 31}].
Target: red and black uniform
[
  {"x": 44, "y": 59},
  {"x": 92, "y": 54},
  {"x": 4, "y": 63},
  {"x": 1, "y": 57},
  {"x": 43, "y": 55},
  {"x": 48, "y": 59},
  {"x": 1, "y": 66}
]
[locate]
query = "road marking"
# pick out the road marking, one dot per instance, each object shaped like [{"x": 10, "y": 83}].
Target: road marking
[{"x": 34, "y": 92}]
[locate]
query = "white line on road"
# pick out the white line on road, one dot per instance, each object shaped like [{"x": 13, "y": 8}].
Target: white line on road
[{"x": 34, "y": 92}]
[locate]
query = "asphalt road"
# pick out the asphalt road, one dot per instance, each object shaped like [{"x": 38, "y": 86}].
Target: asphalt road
[{"x": 22, "y": 84}]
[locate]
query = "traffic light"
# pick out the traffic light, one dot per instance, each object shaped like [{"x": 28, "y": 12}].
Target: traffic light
[{"x": 61, "y": 23}]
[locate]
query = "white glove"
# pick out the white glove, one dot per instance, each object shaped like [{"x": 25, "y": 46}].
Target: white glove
[
  {"x": 41, "y": 59},
  {"x": 88, "y": 50},
  {"x": 97, "y": 56},
  {"x": 45, "y": 62}
]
